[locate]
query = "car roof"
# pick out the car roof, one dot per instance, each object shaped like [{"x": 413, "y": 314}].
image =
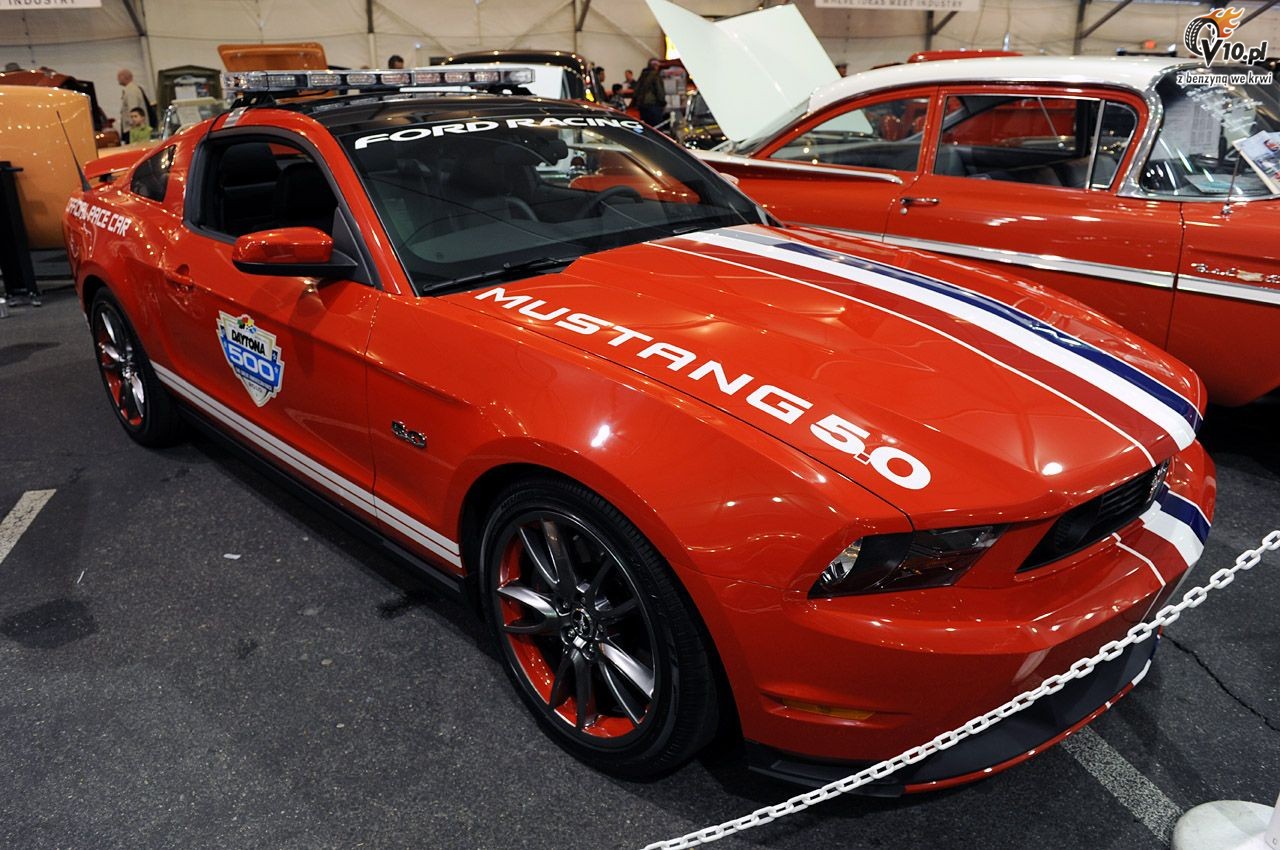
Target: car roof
[{"x": 1138, "y": 73}]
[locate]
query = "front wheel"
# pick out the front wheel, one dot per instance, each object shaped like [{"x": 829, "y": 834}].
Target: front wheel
[
  {"x": 141, "y": 404},
  {"x": 594, "y": 631}
]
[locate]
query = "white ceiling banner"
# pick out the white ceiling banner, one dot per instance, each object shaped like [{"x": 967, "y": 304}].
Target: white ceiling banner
[
  {"x": 31, "y": 5},
  {"x": 903, "y": 5}
]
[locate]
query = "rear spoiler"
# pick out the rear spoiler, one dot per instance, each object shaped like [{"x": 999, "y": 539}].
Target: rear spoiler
[{"x": 104, "y": 169}]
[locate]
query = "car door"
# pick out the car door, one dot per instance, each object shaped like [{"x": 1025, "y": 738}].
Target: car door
[
  {"x": 1024, "y": 179},
  {"x": 844, "y": 167},
  {"x": 276, "y": 359},
  {"x": 1228, "y": 294}
]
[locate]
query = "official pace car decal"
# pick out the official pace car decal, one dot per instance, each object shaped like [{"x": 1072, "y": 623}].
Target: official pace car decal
[
  {"x": 1127, "y": 400},
  {"x": 890, "y": 461},
  {"x": 253, "y": 355},
  {"x": 100, "y": 217}
]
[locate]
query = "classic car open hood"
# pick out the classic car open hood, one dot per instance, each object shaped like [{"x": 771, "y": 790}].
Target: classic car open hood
[
  {"x": 753, "y": 68},
  {"x": 290, "y": 56},
  {"x": 931, "y": 394}
]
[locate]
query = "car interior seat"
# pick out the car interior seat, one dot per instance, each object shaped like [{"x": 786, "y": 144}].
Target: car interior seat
[
  {"x": 303, "y": 198},
  {"x": 247, "y": 175}
]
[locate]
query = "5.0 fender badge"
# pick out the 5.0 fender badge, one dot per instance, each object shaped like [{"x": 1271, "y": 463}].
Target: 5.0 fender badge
[{"x": 253, "y": 355}]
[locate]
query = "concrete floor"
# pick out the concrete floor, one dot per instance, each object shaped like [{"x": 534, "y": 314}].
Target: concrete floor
[{"x": 311, "y": 693}]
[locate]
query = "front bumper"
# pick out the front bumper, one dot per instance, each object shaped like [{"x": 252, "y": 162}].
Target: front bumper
[
  {"x": 839, "y": 683},
  {"x": 1009, "y": 742}
]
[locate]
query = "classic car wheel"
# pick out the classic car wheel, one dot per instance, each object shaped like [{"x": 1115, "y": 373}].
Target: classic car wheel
[
  {"x": 141, "y": 404},
  {"x": 594, "y": 631}
]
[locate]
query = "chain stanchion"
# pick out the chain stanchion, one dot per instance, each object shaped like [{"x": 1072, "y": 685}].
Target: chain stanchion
[{"x": 1109, "y": 651}]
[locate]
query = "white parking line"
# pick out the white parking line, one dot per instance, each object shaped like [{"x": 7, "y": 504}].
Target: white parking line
[
  {"x": 13, "y": 525},
  {"x": 1126, "y": 783}
]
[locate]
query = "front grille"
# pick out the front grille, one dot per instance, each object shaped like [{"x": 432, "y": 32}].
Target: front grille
[{"x": 1086, "y": 524}]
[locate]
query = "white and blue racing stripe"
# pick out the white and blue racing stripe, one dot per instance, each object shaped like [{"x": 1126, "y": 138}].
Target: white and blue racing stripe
[
  {"x": 1154, "y": 400},
  {"x": 1180, "y": 522}
]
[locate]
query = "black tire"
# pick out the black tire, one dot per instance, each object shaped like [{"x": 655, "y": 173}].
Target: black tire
[
  {"x": 624, "y": 617},
  {"x": 142, "y": 405}
]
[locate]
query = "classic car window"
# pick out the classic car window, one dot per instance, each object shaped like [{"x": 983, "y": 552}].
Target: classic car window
[
  {"x": 882, "y": 135},
  {"x": 151, "y": 177},
  {"x": 1206, "y": 128},
  {"x": 472, "y": 196},
  {"x": 1073, "y": 143},
  {"x": 256, "y": 185}
]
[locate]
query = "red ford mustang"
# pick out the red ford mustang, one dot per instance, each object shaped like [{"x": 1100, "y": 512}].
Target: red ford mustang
[{"x": 689, "y": 464}]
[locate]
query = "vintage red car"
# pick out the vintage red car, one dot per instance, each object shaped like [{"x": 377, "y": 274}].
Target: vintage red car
[
  {"x": 697, "y": 470},
  {"x": 1119, "y": 181}
]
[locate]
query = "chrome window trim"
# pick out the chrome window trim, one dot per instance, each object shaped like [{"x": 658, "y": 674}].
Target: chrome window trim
[{"x": 825, "y": 169}]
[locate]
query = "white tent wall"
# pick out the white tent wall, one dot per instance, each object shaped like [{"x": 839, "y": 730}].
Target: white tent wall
[
  {"x": 618, "y": 34},
  {"x": 1032, "y": 26}
]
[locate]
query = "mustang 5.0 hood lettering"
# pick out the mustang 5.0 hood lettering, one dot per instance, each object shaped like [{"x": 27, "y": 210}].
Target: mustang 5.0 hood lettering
[{"x": 921, "y": 389}]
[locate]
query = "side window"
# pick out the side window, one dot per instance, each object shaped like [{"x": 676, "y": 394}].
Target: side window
[
  {"x": 255, "y": 184},
  {"x": 1073, "y": 143},
  {"x": 882, "y": 135},
  {"x": 151, "y": 177}
]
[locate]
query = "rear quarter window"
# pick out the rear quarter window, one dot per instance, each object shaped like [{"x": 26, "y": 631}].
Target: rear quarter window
[{"x": 151, "y": 177}]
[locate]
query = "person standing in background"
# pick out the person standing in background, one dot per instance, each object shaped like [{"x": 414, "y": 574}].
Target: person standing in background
[
  {"x": 131, "y": 98},
  {"x": 139, "y": 129},
  {"x": 651, "y": 96},
  {"x": 396, "y": 61}
]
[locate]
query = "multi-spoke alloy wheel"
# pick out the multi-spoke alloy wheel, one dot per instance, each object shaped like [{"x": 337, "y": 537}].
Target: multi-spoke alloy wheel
[
  {"x": 594, "y": 630},
  {"x": 140, "y": 403}
]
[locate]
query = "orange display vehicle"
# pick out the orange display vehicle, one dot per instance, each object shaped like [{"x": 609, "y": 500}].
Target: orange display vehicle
[
  {"x": 43, "y": 131},
  {"x": 696, "y": 469}
]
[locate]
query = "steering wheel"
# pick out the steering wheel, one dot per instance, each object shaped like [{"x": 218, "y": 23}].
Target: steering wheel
[
  {"x": 518, "y": 205},
  {"x": 600, "y": 198}
]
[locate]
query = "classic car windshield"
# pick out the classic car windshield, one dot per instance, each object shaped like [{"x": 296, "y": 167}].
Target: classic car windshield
[
  {"x": 471, "y": 198},
  {"x": 1216, "y": 140}
]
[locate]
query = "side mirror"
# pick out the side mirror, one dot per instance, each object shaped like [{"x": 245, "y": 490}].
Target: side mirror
[{"x": 291, "y": 252}]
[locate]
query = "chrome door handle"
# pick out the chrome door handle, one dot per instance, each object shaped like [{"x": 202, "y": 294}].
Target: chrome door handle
[{"x": 920, "y": 202}]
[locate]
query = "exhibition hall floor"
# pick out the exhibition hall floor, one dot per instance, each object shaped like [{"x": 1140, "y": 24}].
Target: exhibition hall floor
[{"x": 191, "y": 656}]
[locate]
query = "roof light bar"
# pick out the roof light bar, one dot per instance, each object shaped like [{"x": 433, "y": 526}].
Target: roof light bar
[{"x": 249, "y": 82}]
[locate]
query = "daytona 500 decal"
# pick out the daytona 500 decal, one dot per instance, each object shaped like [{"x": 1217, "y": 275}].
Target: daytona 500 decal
[
  {"x": 253, "y": 355},
  {"x": 896, "y": 465}
]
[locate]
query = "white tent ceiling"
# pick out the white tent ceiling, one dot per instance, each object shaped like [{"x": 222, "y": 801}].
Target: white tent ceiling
[{"x": 618, "y": 34}]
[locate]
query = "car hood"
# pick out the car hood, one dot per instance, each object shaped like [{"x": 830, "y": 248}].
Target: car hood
[
  {"x": 952, "y": 393},
  {"x": 753, "y": 69}
]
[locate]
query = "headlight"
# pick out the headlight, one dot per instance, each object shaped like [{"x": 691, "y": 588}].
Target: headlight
[{"x": 881, "y": 562}]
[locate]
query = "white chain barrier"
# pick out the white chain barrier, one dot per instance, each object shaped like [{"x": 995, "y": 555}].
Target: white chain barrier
[{"x": 1247, "y": 560}]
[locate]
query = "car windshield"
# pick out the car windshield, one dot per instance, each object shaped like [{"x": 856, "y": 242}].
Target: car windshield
[
  {"x": 470, "y": 196},
  {"x": 1218, "y": 138},
  {"x": 783, "y": 122}
]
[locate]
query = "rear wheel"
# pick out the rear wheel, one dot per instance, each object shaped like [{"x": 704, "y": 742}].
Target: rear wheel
[
  {"x": 141, "y": 404},
  {"x": 598, "y": 638}
]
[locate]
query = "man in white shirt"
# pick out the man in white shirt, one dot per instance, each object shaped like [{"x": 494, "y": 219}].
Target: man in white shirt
[{"x": 131, "y": 97}]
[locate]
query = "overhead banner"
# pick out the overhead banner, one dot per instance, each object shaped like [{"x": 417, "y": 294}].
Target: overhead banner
[
  {"x": 903, "y": 5},
  {"x": 30, "y": 5}
]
